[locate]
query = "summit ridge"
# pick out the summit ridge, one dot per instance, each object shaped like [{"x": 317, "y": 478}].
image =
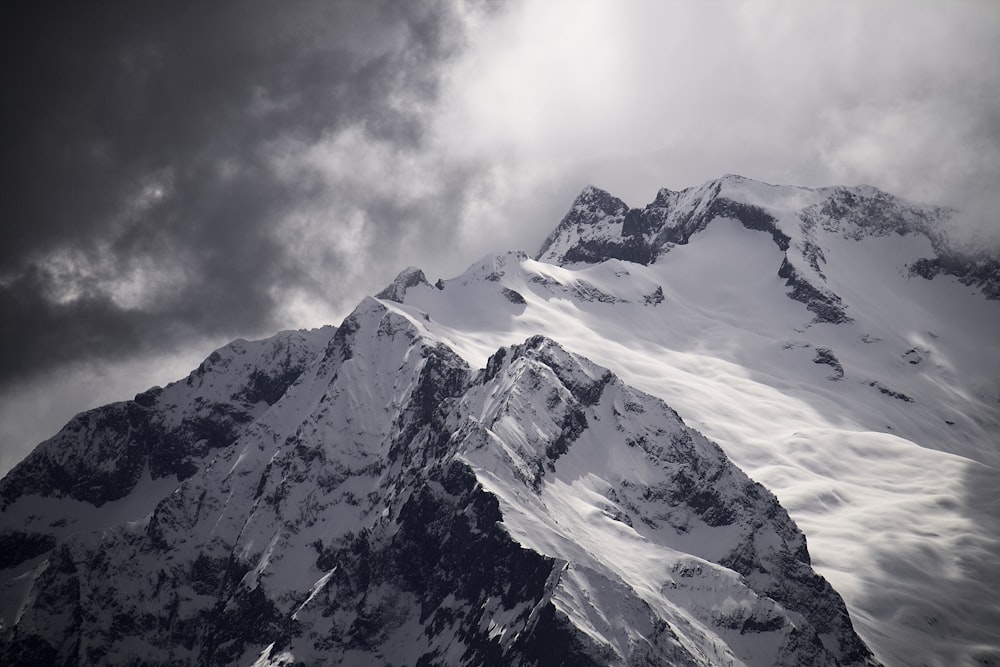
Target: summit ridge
[{"x": 611, "y": 453}]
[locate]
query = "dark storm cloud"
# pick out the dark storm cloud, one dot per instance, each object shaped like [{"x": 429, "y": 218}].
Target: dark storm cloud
[
  {"x": 142, "y": 205},
  {"x": 178, "y": 174},
  {"x": 634, "y": 96}
]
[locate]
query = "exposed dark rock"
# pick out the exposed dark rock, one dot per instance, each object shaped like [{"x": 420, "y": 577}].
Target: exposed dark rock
[
  {"x": 494, "y": 364},
  {"x": 407, "y": 278},
  {"x": 513, "y": 296},
  {"x": 479, "y": 563},
  {"x": 556, "y": 642},
  {"x": 695, "y": 220},
  {"x": 649, "y": 232},
  {"x": 591, "y": 206},
  {"x": 654, "y": 298},
  {"x": 980, "y": 272},
  {"x": 573, "y": 424},
  {"x": 866, "y": 211},
  {"x": 827, "y": 306},
  {"x": 898, "y": 395},
  {"x": 825, "y": 355},
  {"x": 638, "y": 224},
  {"x": 594, "y": 251},
  {"x": 18, "y": 546},
  {"x": 123, "y": 439},
  {"x": 102, "y": 454},
  {"x": 814, "y": 255}
]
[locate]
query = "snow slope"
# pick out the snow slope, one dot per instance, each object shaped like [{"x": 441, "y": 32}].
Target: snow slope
[
  {"x": 111, "y": 466},
  {"x": 878, "y": 430},
  {"x": 486, "y": 470},
  {"x": 395, "y": 507}
]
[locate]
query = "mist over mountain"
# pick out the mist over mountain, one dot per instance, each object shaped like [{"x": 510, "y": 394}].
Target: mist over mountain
[{"x": 745, "y": 424}]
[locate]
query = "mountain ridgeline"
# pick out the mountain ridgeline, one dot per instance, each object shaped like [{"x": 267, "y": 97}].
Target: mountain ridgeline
[
  {"x": 494, "y": 469},
  {"x": 600, "y": 226}
]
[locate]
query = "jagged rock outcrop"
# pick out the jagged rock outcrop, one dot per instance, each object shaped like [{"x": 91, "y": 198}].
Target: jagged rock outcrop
[
  {"x": 101, "y": 454},
  {"x": 114, "y": 464},
  {"x": 976, "y": 270},
  {"x": 396, "y": 507},
  {"x": 407, "y": 278},
  {"x": 599, "y": 227},
  {"x": 439, "y": 481}
]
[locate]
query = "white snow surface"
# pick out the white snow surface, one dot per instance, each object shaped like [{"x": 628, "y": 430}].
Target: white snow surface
[
  {"x": 899, "y": 499},
  {"x": 220, "y": 381},
  {"x": 578, "y": 517}
]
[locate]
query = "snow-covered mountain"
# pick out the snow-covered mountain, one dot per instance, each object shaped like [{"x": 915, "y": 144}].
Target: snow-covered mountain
[{"x": 500, "y": 468}]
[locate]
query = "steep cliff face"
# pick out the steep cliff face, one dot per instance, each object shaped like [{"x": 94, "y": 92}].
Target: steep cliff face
[
  {"x": 114, "y": 464},
  {"x": 102, "y": 454},
  {"x": 611, "y": 481},
  {"x": 395, "y": 507}
]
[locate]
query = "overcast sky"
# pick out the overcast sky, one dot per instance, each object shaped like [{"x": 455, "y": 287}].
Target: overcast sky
[{"x": 176, "y": 175}]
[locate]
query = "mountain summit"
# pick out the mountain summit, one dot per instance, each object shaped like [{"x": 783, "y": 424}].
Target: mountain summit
[
  {"x": 610, "y": 454},
  {"x": 799, "y": 220}
]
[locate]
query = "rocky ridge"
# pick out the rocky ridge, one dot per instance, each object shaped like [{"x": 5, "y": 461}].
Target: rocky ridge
[
  {"x": 344, "y": 512},
  {"x": 599, "y": 226},
  {"x": 396, "y": 507}
]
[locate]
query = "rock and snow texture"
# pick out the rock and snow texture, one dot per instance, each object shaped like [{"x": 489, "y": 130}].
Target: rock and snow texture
[
  {"x": 644, "y": 511},
  {"x": 869, "y": 401},
  {"x": 396, "y": 507},
  {"x": 447, "y": 478},
  {"x": 800, "y": 221},
  {"x": 116, "y": 462}
]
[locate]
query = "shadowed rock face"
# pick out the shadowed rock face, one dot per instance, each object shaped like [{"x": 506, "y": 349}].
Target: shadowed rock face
[
  {"x": 826, "y": 305},
  {"x": 396, "y": 291},
  {"x": 101, "y": 454},
  {"x": 599, "y": 227},
  {"x": 982, "y": 271},
  {"x": 391, "y": 507}
]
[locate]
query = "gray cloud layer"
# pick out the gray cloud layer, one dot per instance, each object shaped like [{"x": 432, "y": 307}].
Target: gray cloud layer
[
  {"x": 143, "y": 204},
  {"x": 178, "y": 174}
]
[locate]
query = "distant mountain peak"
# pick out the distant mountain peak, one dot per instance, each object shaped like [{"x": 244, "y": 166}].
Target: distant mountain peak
[
  {"x": 600, "y": 227},
  {"x": 407, "y": 278},
  {"x": 596, "y": 200}
]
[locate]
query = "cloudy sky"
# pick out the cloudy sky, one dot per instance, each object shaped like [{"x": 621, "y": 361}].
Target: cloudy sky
[{"x": 176, "y": 175}]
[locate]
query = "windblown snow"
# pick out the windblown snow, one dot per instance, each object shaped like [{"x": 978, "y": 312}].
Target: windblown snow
[{"x": 560, "y": 414}]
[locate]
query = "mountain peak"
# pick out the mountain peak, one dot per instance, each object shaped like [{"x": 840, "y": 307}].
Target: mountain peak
[
  {"x": 409, "y": 277},
  {"x": 594, "y": 200},
  {"x": 735, "y": 178},
  {"x": 446, "y": 479},
  {"x": 392, "y": 507},
  {"x": 600, "y": 227}
]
